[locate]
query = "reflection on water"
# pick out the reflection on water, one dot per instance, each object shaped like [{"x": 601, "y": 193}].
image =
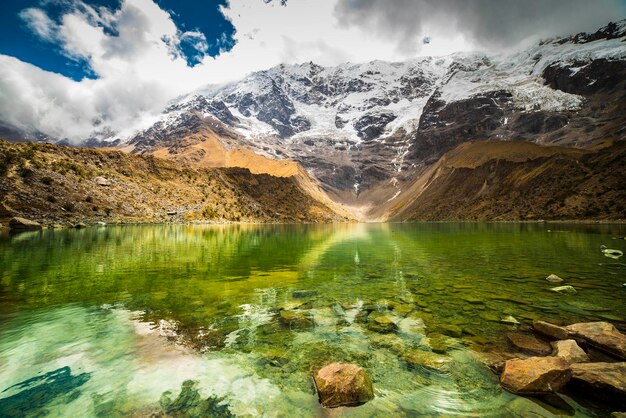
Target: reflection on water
[{"x": 221, "y": 320}]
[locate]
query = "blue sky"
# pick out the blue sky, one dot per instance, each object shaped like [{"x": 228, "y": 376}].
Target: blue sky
[{"x": 18, "y": 40}]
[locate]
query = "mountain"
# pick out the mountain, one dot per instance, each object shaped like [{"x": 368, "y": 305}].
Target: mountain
[
  {"x": 366, "y": 131},
  {"x": 59, "y": 185}
]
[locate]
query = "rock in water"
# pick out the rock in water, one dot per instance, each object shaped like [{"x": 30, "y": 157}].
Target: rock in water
[
  {"x": 509, "y": 320},
  {"x": 550, "y": 330},
  {"x": 529, "y": 344},
  {"x": 606, "y": 381},
  {"x": 80, "y": 225},
  {"x": 566, "y": 290},
  {"x": 380, "y": 322},
  {"x": 570, "y": 351},
  {"x": 296, "y": 319},
  {"x": 343, "y": 385},
  {"x": 601, "y": 335},
  {"x": 23, "y": 224},
  {"x": 553, "y": 278},
  {"x": 535, "y": 375}
]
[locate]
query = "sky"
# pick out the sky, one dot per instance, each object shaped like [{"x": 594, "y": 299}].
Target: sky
[{"x": 72, "y": 69}]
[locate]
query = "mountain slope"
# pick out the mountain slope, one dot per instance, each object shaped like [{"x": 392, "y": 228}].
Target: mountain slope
[
  {"x": 364, "y": 130},
  {"x": 516, "y": 181},
  {"x": 57, "y": 184}
]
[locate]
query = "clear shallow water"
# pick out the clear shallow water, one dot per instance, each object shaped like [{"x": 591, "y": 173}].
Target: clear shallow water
[{"x": 185, "y": 320}]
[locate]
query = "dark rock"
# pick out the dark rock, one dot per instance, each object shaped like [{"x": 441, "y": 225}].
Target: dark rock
[
  {"x": 23, "y": 224},
  {"x": 535, "y": 375},
  {"x": 529, "y": 344},
  {"x": 343, "y": 385},
  {"x": 300, "y": 294},
  {"x": 601, "y": 335},
  {"x": 80, "y": 225},
  {"x": 606, "y": 381},
  {"x": 550, "y": 330},
  {"x": 371, "y": 126}
]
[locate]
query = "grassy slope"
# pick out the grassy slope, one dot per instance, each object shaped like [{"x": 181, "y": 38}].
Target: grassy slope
[
  {"x": 55, "y": 184},
  {"x": 518, "y": 181}
]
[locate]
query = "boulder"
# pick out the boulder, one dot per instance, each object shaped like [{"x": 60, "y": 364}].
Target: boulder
[
  {"x": 565, "y": 290},
  {"x": 535, "y": 375},
  {"x": 550, "y": 330},
  {"x": 299, "y": 294},
  {"x": 80, "y": 225},
  {"x": 570, "y": 351},
  {"x": 601, "y": 335},
  {"x": 605, "y": 381},
  {"x": 101, "y": 181},
  {"x": 23, "y": 224},
  {"x": 343, "y": 385},
  {"x": 529, "y": 344},
  {"x": 553, "y": 278},
  {"x": 381, "y": 322},
  {"x": 295, "y": 319}
]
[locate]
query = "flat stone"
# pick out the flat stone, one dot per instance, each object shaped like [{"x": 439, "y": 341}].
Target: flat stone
[
  {"x": 24, "y": 224},
  {"x": 421, "y": 358},
  {"x": 605, "y": 381},
  {"x": 343, "y": 385},
  {"x": 601, "y": 335},
  {"x": 509, "y": 320},
  {"x": 553, "y": 278},
  {"x": 403, "y": 309},
  {"x": 535, "y": 375},
  {"x": 529, "y": 344},
  {"x": 440, "y": 343},
  {"x": 550, "y": 330},
  {"x": 570, "y": 351},
  {"x": 564, "y": 290}
]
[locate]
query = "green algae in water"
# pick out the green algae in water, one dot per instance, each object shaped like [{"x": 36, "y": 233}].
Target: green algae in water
[{"x": 186, "y": 320}]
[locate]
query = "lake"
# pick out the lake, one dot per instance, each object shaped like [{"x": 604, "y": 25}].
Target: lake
[{"x": 231, "y": 320}]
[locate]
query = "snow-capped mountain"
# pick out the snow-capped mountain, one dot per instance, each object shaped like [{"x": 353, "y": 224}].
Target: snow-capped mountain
[{"x": 357, "y": 125}]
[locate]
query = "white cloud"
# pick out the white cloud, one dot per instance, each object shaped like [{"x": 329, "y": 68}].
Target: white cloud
[
  {"x": 39, "y": 22},
  {"x": 141, "y": 68}
]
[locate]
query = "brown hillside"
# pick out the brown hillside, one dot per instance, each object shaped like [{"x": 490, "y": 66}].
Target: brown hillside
[
  {"x": 56, "y": 184},
  {"x": 516, "y": 181}
]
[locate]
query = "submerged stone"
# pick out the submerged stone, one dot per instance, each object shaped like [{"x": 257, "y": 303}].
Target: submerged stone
[
  {"x": 296, "y": 320},
  {"x": 529, "y": 344},
  {"x": 340, "y": 384},
  {"x": 565, "y": 290},
  {"x": 299, "y": 294},
  {"x": 381, "y": 323},
  {"x": 509, "y": 320},
  {"x": 427, "y": 359}
]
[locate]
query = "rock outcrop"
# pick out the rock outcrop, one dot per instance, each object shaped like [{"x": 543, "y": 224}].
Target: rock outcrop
[
  {"x": 23, "y": 224},
  {"x": 601, "y": 335},
  {"x": 535, "y": 375}
]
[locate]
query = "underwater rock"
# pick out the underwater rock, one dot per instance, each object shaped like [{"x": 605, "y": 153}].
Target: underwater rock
[
  {"x": 381, "y": 323},
  {"x": 299, "y": 294},
  {"x": 553, "y": 278},
  {"x": 601, "y": 335},
  {"x": 529, "y": 344},
  {"x": 417, "y": 358},
  {"x": 565, "y": 290},
  {"x": 606, "y": 381},
  {"x": 450, "y": 330},
  {"x": 439, "y": 343},
  {"x": 343, "y": 385},
  {"x": 550, "y": 330},
  {"x": 570, "y": 351},
  {"x": 295, "y": 320},
  {"x": 24, "y": 224},
  {"x": 535, "y": 375},
  {"x": 403, "y": 309}
]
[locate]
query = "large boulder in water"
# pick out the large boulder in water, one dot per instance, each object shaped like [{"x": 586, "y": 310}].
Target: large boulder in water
[
  {"x": 535, "y": 375},
  {"x": 343, "y": 385},
  {"x": 601, "y": 335},
  {"x": 23, "y": 224}
]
